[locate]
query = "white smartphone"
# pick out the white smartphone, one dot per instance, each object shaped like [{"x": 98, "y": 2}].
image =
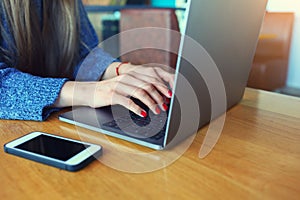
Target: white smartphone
[{"x": 57, "y": 151}]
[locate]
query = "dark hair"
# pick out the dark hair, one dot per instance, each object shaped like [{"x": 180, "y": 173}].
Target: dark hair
[{"x": 51, "y": 50}]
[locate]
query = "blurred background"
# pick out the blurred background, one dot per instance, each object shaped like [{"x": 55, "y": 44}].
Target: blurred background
[{"x": 276, "y": 66}]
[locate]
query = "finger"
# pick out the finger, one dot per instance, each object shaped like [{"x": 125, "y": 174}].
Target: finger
[
  {"x": 162, "y": 72},
  {"x": 138, "y": 91},
  {"x": 156, "y": 96},
  {"x": 153, "y": 87},
  {"x": 166, "y": 76},
  {"x": 148, "y": 82},
  {"x": 129, "y": 104},
  {"x": 145, "y": 98}
]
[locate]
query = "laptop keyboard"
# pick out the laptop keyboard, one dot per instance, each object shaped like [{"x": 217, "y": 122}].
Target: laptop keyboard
[
  {"x": 137, "y": 126},
  {"x": 152, "y": 127}
]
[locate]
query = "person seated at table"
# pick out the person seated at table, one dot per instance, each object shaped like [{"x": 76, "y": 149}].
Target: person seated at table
[{"x": 42, "y": 45}]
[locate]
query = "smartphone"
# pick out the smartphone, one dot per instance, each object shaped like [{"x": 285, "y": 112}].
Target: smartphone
[{"x": 56, "y": 151}]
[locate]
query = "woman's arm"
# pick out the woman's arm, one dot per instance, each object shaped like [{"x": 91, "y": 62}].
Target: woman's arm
[
  {"x": 27, "y": 97},
  {"x": 94, "y": 60},
  {"x": 148, "y": 84}
]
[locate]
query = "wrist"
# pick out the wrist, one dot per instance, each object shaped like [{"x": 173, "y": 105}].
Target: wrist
[
  {"x": 110, "y": 72},
  {"x": 75, "y": 94},
  {"x": 121, "y": 68},
  {"x": 65, "y": 97}
]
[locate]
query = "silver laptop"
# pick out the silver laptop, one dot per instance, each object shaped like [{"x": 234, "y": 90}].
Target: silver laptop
[{"x": 214, "y": 60}]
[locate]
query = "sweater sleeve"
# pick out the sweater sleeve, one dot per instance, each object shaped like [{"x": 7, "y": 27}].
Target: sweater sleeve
[
  {"x": 27, "y": 97},
  {"x": 94, "y": 60}
]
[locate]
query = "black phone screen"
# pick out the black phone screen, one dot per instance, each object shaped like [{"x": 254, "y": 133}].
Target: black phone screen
[{"x": 52, "y": 147}]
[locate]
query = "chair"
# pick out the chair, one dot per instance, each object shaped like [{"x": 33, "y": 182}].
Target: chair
[
  {"x": 141, "y": 18},
  {"x": 270, "y": 65}
]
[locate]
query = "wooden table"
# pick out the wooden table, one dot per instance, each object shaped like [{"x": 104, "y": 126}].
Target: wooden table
[{"x": 256, "y": 157}]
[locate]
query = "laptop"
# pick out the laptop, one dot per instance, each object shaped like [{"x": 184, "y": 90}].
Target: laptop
[{"x": 214, "y": 60}]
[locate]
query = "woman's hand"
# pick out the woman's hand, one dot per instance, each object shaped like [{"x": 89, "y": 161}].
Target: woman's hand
[{"x": 148, "y": 84}]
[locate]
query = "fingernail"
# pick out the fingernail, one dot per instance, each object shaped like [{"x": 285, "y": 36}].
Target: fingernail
[
  {"x": 157, "y": 110},
  {"x": 144, "y": 114},
  {"x": 170, "y": 93},
  {"x": 165, "y": 107},
  {"x": 168, "y": 100}
]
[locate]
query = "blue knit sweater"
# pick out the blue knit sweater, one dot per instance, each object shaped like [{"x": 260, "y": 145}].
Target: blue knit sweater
[{"x": 27, "y": 97}]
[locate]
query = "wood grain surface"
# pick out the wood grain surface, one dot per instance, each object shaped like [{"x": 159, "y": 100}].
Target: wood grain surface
[{"x": 256, "y": 157}]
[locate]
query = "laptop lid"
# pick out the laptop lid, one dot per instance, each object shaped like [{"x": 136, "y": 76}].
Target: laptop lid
[{"x": 215, "y": 59}]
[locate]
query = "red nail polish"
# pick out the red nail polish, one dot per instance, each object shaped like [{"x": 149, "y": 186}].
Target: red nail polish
[
  {"x": 170, "y": 93},
  {"x": 165, "y": 107},
  {"x": 157, "y": 110},
  {"x": 168, "y": 100},
  {"x": 144, "y": 114}
]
